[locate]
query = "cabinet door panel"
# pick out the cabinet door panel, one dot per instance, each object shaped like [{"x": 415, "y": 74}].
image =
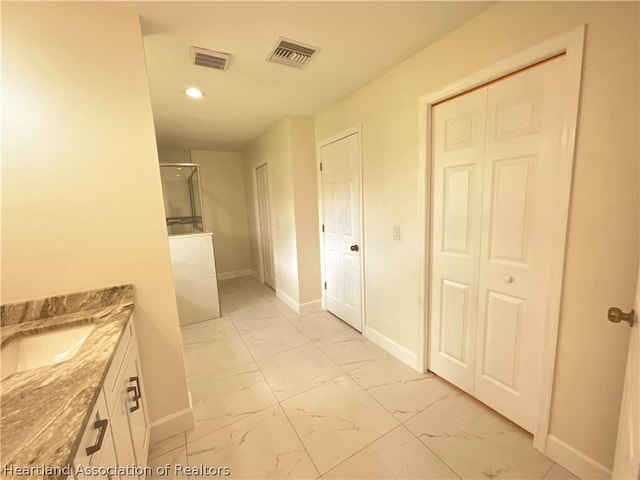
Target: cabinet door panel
[
  {"x": 137, "y": 410},
  {"x": 108, "y": 459},
  {"x": 111, "y": 382},
  {"x": 84, "y": 462},
  {"x": 120, "y": 420}
]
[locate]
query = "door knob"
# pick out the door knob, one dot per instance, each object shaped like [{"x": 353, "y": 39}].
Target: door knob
[
  {"x": 616, "y": 315},
  {"x": 508, "y": 279},
  {"x": 354, "y": 248}
]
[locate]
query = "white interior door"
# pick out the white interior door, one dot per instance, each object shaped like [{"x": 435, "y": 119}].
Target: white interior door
[
  {"x": 521, "y": 166},
  {"x": 626, "y": 464},
  {"x": 496, "y": 158},
  {"x": 341, "y": 219},
  {"x": 266, "y": 236},
  {"x": 458, "y": 145}
]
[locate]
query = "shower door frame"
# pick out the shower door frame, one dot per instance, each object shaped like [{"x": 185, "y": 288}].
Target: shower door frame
[{"x": 197, "y": 167}]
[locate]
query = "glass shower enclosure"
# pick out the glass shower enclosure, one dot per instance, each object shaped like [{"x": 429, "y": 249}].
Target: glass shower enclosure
[{"x": 182, "y": 197}]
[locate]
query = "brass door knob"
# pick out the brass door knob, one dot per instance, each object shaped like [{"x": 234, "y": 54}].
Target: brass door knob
[
  {"x": 616, "y": 315},
  {"x": 355, "y": 248}
]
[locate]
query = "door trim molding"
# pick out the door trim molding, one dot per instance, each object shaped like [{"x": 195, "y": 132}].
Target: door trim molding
[
  {"x": 356, "y": 129},
  {"x": 571, "y": 43}
]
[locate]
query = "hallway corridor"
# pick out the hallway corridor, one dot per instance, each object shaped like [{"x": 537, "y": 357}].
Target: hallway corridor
[{"x": 278, "y": 395}]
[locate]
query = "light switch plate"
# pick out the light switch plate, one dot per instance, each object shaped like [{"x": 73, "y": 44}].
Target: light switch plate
[{"x": 396, "y": 232}]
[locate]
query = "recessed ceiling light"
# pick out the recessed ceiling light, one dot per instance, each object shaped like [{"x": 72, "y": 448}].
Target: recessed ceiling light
[
  {"x": 194, "y": 92},
  {"x": 179, "y": 168}
]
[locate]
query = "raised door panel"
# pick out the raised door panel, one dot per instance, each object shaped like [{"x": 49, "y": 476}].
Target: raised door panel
[
  {"x": 335, "y": 279},
  {"x": 458, "y": 133},
  {"x": 348, "y": 207},
  {"x": 455, "y": 312},
  {"x": 510, "y": 205},
  {"x": 461, "y": 131},
  {"x": 334, "y": 226},
  {"x": 351, "y": 288},
  {"x": 457, "y": 222},
  {"x": 502, "y": 340},
  {"x": 519, "y": 115}
]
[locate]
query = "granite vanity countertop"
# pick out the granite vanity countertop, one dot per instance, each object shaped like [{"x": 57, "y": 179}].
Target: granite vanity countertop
[{"x": 44, "y": 411}]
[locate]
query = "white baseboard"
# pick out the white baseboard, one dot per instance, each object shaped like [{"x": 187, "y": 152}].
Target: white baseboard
[
  {"x": 574, "y": 460},
  {"x": 310, "y": 307},
  {"x": 288, "y": 300},
  {"x": 236, "y": 274},
  {"x": 302, "y": 309},
  {"x": 401, "y": 353},
  {"x": 177, "y": 422}
]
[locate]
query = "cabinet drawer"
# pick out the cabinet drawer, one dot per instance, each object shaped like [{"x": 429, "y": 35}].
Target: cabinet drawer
[{"x": 111, "y": 386}]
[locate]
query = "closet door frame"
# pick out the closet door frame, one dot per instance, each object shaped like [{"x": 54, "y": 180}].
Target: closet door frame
[{"x": 571, "y": 44}]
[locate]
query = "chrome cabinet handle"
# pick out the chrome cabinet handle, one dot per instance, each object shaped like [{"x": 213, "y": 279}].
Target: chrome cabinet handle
[
  {"x": 137, "y": 380},
  {"x": 136, "y": 393},
  {"x": 102, "y": 426}
]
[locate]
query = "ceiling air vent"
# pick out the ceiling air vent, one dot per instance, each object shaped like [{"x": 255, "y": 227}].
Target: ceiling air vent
[
  {"x": 292, "y": 53},
  {"x": 210, "y": 59}
]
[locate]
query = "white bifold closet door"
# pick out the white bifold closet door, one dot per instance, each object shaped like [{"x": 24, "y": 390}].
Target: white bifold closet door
[
  {"x": 496, "y": 157},
  {"x": 266, "y": 235}
]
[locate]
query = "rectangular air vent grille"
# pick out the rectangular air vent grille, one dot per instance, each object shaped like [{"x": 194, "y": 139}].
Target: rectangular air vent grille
[
  {"x": 290, "y": 52},
  {"x": 210, "y": 59}
]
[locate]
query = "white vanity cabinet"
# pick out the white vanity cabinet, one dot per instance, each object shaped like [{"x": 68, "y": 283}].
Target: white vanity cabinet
[{"x": 121, "y": 413}]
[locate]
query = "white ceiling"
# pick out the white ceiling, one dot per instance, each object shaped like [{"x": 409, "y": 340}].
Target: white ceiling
[{"x": 358, "y": 40}]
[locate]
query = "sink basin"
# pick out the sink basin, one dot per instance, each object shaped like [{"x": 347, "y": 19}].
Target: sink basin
[{"x": 43, "y": 348}]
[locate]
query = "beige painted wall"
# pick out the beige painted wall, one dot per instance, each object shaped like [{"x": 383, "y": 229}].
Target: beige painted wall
[
  {"x": 602, "y": 257},
  {"x": 305, "y": 193},
  {"x": 289, "y": 150},
  {"x": 225, "y": 208},
  {"x": 274, "y": 148},
  {"x": 78, "y": 157}
]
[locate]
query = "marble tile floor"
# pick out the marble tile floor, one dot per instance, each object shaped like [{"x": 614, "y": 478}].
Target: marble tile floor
[{"x": 279, "y": 395}]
